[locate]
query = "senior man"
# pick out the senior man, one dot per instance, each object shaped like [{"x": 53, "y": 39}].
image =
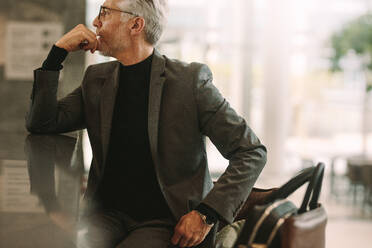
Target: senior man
[{"x": 147, "y": 117}]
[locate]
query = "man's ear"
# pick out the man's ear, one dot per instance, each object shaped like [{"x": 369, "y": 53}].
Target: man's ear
[{"x": 138, "y": 25}]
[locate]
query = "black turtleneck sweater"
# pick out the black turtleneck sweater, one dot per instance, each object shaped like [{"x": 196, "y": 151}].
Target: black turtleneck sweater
[{"x": 129, "y": 183}]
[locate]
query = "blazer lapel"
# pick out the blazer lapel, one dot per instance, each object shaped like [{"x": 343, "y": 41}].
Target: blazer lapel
[
  {"x": 108, "y": 97},
  {"x": 157, "y": 79}
]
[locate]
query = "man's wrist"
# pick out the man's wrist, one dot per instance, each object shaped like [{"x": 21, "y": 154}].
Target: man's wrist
[
  {"x": 55, "y": 58},
  {"x": 210, "y": 214},
  {"x": 205, "y": 219},
  {"x": 59, "y": 45}
]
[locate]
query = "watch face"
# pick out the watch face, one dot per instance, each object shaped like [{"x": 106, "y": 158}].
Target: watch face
[
  {"x": 209, "y": 221},
  {"x": 206, "y": 219}
]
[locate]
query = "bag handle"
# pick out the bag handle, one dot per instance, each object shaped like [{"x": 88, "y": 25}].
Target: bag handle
[
  {"x": 313, "y": 189},
  {"x": 318, "y": 187},
  {"x": 292, "y": 185},
  {"x": 313, "y": 175}
]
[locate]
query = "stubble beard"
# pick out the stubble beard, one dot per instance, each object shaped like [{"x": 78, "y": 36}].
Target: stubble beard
[
  {"x": 105, "y": 50},
  {"x": 115, "y": 47}
]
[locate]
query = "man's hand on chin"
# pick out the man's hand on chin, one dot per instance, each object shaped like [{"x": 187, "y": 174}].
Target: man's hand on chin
[{"x": 191, "y": 230}]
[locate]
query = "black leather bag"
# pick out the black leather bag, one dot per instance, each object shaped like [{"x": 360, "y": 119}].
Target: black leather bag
[{"x": 280, "y": 224}]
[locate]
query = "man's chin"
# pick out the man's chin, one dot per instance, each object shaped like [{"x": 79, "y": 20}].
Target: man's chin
[
  {"x": 104, "y": 52},
  {"x": 103, "y": 49}
]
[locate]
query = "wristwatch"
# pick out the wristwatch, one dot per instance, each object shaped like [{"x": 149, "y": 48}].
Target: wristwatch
[{"x": 205, "y": 219}]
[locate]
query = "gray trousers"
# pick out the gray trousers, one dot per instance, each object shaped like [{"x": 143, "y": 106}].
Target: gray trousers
[{"x": 112, "y": 229}]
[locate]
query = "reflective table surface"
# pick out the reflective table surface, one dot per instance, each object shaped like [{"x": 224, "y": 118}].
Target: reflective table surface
[{"x": 41, "y": 186}]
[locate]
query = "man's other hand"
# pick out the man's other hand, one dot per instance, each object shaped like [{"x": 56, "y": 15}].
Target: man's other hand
[
  {"x": 190, "y": 230},
  {"x": 80, "y": 37}
]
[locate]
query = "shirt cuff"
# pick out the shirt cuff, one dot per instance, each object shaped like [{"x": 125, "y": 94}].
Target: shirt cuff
[
  {"x": 55, "y": 58},
  {"x": 210, "y": 213}
]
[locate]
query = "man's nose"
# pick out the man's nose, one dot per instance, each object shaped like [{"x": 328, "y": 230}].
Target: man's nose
[{"x": 96, "y": 22}]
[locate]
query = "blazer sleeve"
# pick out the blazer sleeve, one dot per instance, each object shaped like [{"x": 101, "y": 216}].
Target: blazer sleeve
[
  {"x": 49, "y": 115},
  {"x": 235, "y": 141}
]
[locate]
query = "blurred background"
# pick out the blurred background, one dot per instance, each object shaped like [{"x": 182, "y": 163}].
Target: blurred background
[{"x": 298, "y": 71}]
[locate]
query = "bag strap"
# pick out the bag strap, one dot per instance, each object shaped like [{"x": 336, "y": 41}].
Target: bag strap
[
  {"x": 318, "y": 187},
  {"x": 313, "y": 189},
  {"x": 292, "y": 185},
  {"x": 262, "y": 218}
]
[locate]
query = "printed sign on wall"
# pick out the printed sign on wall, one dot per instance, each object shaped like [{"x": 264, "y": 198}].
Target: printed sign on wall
[{"x": 27, "y": 45}]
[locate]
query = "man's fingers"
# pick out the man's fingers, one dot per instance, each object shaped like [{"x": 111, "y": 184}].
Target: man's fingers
[
  {"x": 193, "y": 241},
  {"x": 88, "y": 43},
  {"x": 73, "y": 40},
  {"x": 91, "y": 33},
  {"x": 86, "y": 30},
  {"x": 196, "y": 240},
  {"x": 176, "y": 237},
  {"x": 184, "y": 242},
  {"x": 95, "y": 48},
  {"x": 187, "y": 241}
]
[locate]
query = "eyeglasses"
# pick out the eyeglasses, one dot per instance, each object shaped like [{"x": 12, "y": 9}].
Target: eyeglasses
[{"x": 103, "y": 11}]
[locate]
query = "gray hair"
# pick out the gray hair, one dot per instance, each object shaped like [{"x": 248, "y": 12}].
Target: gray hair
[{"x": 153, "y": 11}]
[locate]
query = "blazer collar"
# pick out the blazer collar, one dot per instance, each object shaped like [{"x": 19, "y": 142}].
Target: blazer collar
[{"x": 157, "y": 80}]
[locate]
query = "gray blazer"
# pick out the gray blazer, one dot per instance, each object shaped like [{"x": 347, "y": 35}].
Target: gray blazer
[{"x": 184, "y": 107}]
